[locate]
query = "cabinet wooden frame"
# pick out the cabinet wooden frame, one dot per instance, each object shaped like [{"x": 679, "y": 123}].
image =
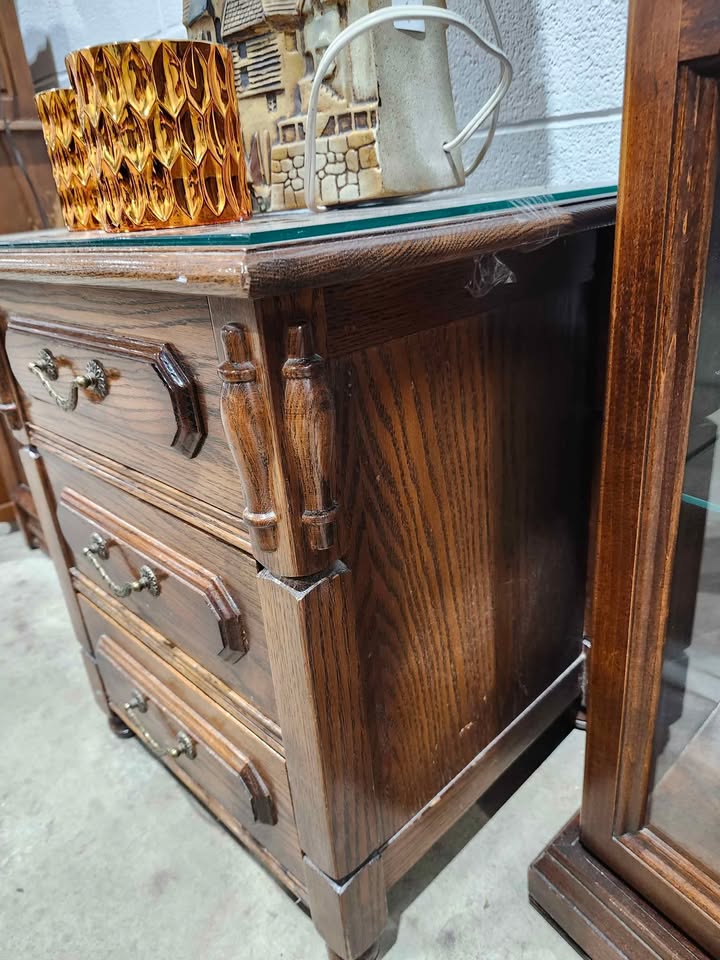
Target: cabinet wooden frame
[{"x": 668, "y": 181}]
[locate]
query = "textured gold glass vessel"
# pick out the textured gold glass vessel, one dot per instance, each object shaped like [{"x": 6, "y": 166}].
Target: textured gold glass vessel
[
  {"x": 161, "y": 123},
  {"x": 73, "y": 172}
]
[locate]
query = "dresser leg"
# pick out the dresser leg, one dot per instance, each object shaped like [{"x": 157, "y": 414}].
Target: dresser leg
[
  {"x": 119, "y": 727},
  {"x": 349, "y": 915},
  {"x": 371, "y": 954}
]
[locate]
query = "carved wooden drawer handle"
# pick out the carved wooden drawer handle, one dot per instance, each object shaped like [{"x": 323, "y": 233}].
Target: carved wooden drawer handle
[
  {"x": 45, "y": 369},
  {"x": 98, "y": 547},
  {"x": 184, "y": 744}
]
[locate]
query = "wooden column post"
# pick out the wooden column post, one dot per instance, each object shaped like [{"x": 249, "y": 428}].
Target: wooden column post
[{"x": 316, "y": 670}]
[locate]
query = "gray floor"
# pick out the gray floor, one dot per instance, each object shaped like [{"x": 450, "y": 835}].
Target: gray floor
[{"x": 103, "y": 855}]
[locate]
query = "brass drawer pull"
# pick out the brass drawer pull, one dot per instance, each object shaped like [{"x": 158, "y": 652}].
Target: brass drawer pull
[
  {"x": 45, "y": 369},
  {"x": 98, "y": 547},
  {"x": 137, "y": 702}
]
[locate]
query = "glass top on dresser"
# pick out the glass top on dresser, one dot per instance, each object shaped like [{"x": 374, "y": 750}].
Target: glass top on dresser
[{"x": 289, "y": 226}]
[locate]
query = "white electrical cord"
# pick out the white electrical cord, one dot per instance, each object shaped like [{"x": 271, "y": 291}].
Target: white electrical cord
[{"x": 390, "y": 15}]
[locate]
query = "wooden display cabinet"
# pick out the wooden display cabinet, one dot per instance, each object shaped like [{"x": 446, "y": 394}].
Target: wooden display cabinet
[
  {"x": 28, "y": 199},
  {"x": 639, "y": 876}
]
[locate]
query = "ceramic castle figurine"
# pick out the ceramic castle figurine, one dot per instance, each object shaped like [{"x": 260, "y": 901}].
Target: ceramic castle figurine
[{"x": 385, "y": 106}]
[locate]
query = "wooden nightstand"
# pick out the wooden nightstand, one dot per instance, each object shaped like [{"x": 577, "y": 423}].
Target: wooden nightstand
[{"x": 319, "y": 505}]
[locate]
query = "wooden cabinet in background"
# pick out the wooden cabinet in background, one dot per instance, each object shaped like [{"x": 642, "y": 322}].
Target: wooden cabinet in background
[
  {"x": 320, "y": 512},
  {"x": 638, "y": 876},
  {"x": 16, "y": 503},
  {"x": 28, "y": 199}
]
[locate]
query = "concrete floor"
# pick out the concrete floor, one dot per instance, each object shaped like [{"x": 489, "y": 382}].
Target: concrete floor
[{"x": 104, "y": 855}]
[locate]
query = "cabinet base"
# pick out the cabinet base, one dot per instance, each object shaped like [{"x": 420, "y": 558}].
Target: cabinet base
[{"x": 596, "y": 910}]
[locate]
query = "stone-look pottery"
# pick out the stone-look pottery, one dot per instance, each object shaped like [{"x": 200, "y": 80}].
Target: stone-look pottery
[
  {"x": 160, "y": 121},
  {"x": 385, "y": 109},
  {"x": 71, "y": 167}
]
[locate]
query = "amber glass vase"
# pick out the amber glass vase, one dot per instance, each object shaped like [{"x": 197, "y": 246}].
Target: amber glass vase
[
  {"x": 73, "y": 172},
  {"x": 160, "y": 121}
]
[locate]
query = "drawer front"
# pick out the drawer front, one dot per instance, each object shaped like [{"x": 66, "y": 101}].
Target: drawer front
[
  {"x": 232, "y": 771},
  {"x": 159, "y": 421},
  {"x": 194, "y": 590},
  {"x": 132, "y": 390}
]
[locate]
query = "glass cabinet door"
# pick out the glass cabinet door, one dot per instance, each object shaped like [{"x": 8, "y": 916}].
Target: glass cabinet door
[
  {"x": 651, "y": 802},
  {"x": 684, "y": 799}
]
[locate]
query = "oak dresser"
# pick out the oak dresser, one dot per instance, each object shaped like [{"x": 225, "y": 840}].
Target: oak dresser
[{"x": 318, "y": 495}]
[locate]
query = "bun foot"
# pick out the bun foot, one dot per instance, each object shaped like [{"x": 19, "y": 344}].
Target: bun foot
[{"x": 119, "y": 727}]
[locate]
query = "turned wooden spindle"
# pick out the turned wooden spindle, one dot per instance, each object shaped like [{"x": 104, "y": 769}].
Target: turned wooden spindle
[
  {"x": 309, "y": 414},
  {"x": 244, "y": 417}
]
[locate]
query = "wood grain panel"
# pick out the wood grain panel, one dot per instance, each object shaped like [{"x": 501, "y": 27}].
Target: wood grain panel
[
  {"x": 186, "y": 620},
  {"x": 367, "y": 313},
  {"x": 462, "y": 450},
  {"x": 429, "y": 824},
  {"x": 316, "y": 665},
  {"x": 700, "y": 30}
]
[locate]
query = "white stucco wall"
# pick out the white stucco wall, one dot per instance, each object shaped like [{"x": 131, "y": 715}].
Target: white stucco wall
[{"x": 560, "y": 123}]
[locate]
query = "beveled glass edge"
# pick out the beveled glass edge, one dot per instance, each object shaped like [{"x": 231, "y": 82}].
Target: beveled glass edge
[{"x": 246, "y": 234}]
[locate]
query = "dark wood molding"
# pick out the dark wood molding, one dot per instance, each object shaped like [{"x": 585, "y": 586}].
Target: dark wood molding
[
  {"x": 218, "y": 762},
  {"x": 44, "y": 500},
  {"x": 268, "y": 271},
  {"x": 597, "y": 910},
  {"x": 657, "y": 297},
  {"x": 249, "y": 780}
]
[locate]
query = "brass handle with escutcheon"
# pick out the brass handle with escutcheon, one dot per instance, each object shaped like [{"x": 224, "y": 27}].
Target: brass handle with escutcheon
[
  {"x": 98, "y": 547},
  {"x": 138, "y": 704},
  {"x": 45, "y": 369}
]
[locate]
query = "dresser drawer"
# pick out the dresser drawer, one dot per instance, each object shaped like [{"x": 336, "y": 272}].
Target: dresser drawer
[
  {"x": 196, "y": 591},
  {"x": 241, "y": 779},
  {"x": 131, "y": 390},
  {"x": 158, "y": 416}
]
